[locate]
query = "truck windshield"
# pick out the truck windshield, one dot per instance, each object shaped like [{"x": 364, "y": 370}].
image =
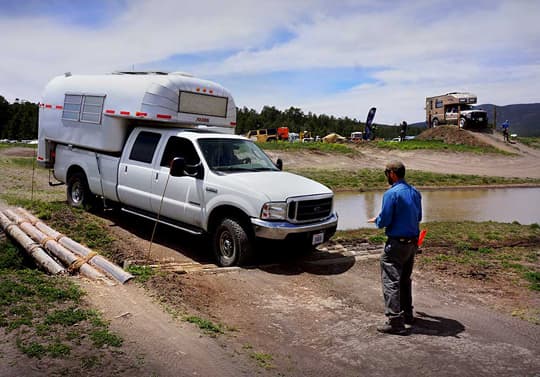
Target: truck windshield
[{"x": 234, "y": 155}]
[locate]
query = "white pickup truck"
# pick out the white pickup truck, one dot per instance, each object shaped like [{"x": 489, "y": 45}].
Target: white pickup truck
[{"x": 169, "y": 168}]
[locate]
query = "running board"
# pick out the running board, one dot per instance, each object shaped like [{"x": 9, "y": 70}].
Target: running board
[{"x": 161, "y": 221}]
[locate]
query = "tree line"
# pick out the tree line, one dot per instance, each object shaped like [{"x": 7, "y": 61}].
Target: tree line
[
  {"x": 18, "y": 121},
  {"x": 318, "y": 125}
]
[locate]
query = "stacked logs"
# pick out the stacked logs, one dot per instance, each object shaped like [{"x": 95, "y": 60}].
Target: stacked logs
[{"x": 52, "y": 250}]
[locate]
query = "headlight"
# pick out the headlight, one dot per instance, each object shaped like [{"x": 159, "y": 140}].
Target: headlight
[{"x": 274, "y": 211}]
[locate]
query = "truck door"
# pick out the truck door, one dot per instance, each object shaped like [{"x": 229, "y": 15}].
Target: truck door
[
  {"x": 135, "y": 171},
  {"x": 181, "y": 198},
  {"x": 451, "y": 114}
]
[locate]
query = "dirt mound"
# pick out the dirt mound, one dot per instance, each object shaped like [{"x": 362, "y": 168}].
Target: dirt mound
[{"x": 452, "y": 135}]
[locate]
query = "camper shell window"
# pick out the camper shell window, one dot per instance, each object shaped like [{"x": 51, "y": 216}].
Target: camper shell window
[
  {"x": 83, "y": 108},
  {"x": 203, "y": 104}
]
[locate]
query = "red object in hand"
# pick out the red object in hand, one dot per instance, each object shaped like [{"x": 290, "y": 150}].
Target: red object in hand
[{"x": 421, "y": 237}]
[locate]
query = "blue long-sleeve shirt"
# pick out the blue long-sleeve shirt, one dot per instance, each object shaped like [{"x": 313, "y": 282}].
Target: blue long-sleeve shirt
[{"x": 401, "y": 211}]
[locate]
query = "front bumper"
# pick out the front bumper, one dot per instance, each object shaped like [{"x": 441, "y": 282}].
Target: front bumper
[{"x": 279, "y": 230}]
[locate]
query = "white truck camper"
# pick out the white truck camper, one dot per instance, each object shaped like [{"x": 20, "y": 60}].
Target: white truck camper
[{"x": 162, "y": 146}]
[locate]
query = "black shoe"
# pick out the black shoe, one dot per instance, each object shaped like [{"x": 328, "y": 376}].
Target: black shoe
[
  {"x": 408, "y": 319},
  {"x": 393, "y": 329}
]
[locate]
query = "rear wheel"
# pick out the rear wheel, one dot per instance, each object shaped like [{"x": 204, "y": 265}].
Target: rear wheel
[
  {"x": 462, "y": 123},
  {"x": 232, "y": 243},
  {"x": 78, "y": 193},
  {"x": 435, "y": 122}
]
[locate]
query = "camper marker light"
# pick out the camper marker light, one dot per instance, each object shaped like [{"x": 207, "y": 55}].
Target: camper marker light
[{"x": 274, "y": 211}]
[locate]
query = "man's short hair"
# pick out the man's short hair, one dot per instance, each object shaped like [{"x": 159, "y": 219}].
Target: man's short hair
[{"x": 397, "y": 167}]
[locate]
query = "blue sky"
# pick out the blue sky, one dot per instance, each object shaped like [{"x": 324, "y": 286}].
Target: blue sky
[{"x": 336, "y": 57}]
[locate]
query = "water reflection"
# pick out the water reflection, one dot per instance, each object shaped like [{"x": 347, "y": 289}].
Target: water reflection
[{"x": 496, "y": 204}]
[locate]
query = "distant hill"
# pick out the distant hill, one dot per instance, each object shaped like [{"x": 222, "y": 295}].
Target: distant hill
[{"x": 524, "y": 118}]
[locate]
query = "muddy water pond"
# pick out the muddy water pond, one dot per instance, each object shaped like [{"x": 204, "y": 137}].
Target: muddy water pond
[{"x": 497, "y": 204}]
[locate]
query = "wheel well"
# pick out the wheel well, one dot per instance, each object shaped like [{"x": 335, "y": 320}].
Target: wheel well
[
  {"x": 226, "y": 211},
  {"x": 74, "y": 169}
]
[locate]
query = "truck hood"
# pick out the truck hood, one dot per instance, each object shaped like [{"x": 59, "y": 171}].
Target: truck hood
[
  {"x": 477, "y": 111},
  {"x": 276, "y": 185}
]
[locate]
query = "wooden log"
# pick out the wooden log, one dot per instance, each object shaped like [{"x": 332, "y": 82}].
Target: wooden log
[
  {"x": 42, "y": 259},
  {"x": 105, "y": 265},
  {"x": 60, "y": 252}
]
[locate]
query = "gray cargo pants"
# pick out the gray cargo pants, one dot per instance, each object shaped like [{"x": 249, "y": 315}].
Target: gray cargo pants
[{"x": 397, "y": 262}]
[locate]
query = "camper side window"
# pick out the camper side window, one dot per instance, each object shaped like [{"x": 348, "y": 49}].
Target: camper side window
[
  {"x": 144, "y": 147},
  {"x": 81, "y": 108}
]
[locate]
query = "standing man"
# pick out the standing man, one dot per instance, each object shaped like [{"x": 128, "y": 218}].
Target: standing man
[
  {"x": 401, "y": 214},
  {"x": 505, "y": 127}
]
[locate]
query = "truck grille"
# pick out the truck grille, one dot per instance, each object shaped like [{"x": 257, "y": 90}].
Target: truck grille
[{"x": 309, "y": 210}]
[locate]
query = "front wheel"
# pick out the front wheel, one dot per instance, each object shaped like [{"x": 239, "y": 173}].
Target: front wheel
[
  {"x": 78, "y": 193},
  {"x": 232, "y": 243},
  {"x": 462, "y": 123},
  {"x": 435, "y": 122}
]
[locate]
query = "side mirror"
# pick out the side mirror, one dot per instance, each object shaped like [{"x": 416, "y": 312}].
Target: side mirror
[
  {"x": 279, "y": 164},
  {"x": 177, "y": 167}
]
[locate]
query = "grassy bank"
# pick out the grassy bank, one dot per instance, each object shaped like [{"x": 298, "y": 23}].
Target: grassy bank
[
  {"x": 374, "y": 179},
  {"x": 45, "y": 317},
  {"x": 347, "y": 149},
  {"x": 533, "y": 142},
  {"x": 409, "y": 145}
]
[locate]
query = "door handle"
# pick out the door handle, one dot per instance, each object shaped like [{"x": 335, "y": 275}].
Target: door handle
[
  {"x": 157, "y": 175},
  {"x": 125, "y": 168}
]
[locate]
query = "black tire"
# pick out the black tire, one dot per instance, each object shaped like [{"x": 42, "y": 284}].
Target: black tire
[
  {"x": 435, "y": 122},
  {"x": 232, "y": 243},
  {"x": 462, "y": 123},
  {"x": 78, "y": 193}
]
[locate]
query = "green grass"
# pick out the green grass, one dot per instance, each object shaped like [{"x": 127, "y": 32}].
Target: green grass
[
  {"x": 207, "y": 326},
  {"x": 374, "y": 179},
  {"x": 45, "y": 313},
  {"x": 533, "y": 142},
  {"x": 141, "y": 273},
  {"x": 322, "y": 147},
  {"x": 264, "y": 360},
  {"x": 410, "y": 145}
]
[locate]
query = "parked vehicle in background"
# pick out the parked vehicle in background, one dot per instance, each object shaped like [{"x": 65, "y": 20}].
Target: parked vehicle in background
[
  {"x": 271, "y": 134},
  {"x": 356, "y": 137},
  {"x": 455, "y": 108},
  {"x": 162, "y": 146}
]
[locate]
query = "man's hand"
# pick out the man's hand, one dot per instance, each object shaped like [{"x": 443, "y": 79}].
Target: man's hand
[{"x": 372, "y": 220}]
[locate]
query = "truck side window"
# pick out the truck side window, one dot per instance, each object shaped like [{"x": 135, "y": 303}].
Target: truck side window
[
  {"x": 144, "y": 147},
  {"x": 180, "y": 147}
]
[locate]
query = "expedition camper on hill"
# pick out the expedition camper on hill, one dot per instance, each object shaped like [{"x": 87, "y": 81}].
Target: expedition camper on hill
[
  {"x": 162, "y": 146},
  {"x": 455, "y": 108}
]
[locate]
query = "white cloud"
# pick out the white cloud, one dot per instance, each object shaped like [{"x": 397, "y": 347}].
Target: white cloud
[{"x": 414, "y": 49}]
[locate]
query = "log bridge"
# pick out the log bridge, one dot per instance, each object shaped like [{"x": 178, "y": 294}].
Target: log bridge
[{"x": 56, "y": 253}]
